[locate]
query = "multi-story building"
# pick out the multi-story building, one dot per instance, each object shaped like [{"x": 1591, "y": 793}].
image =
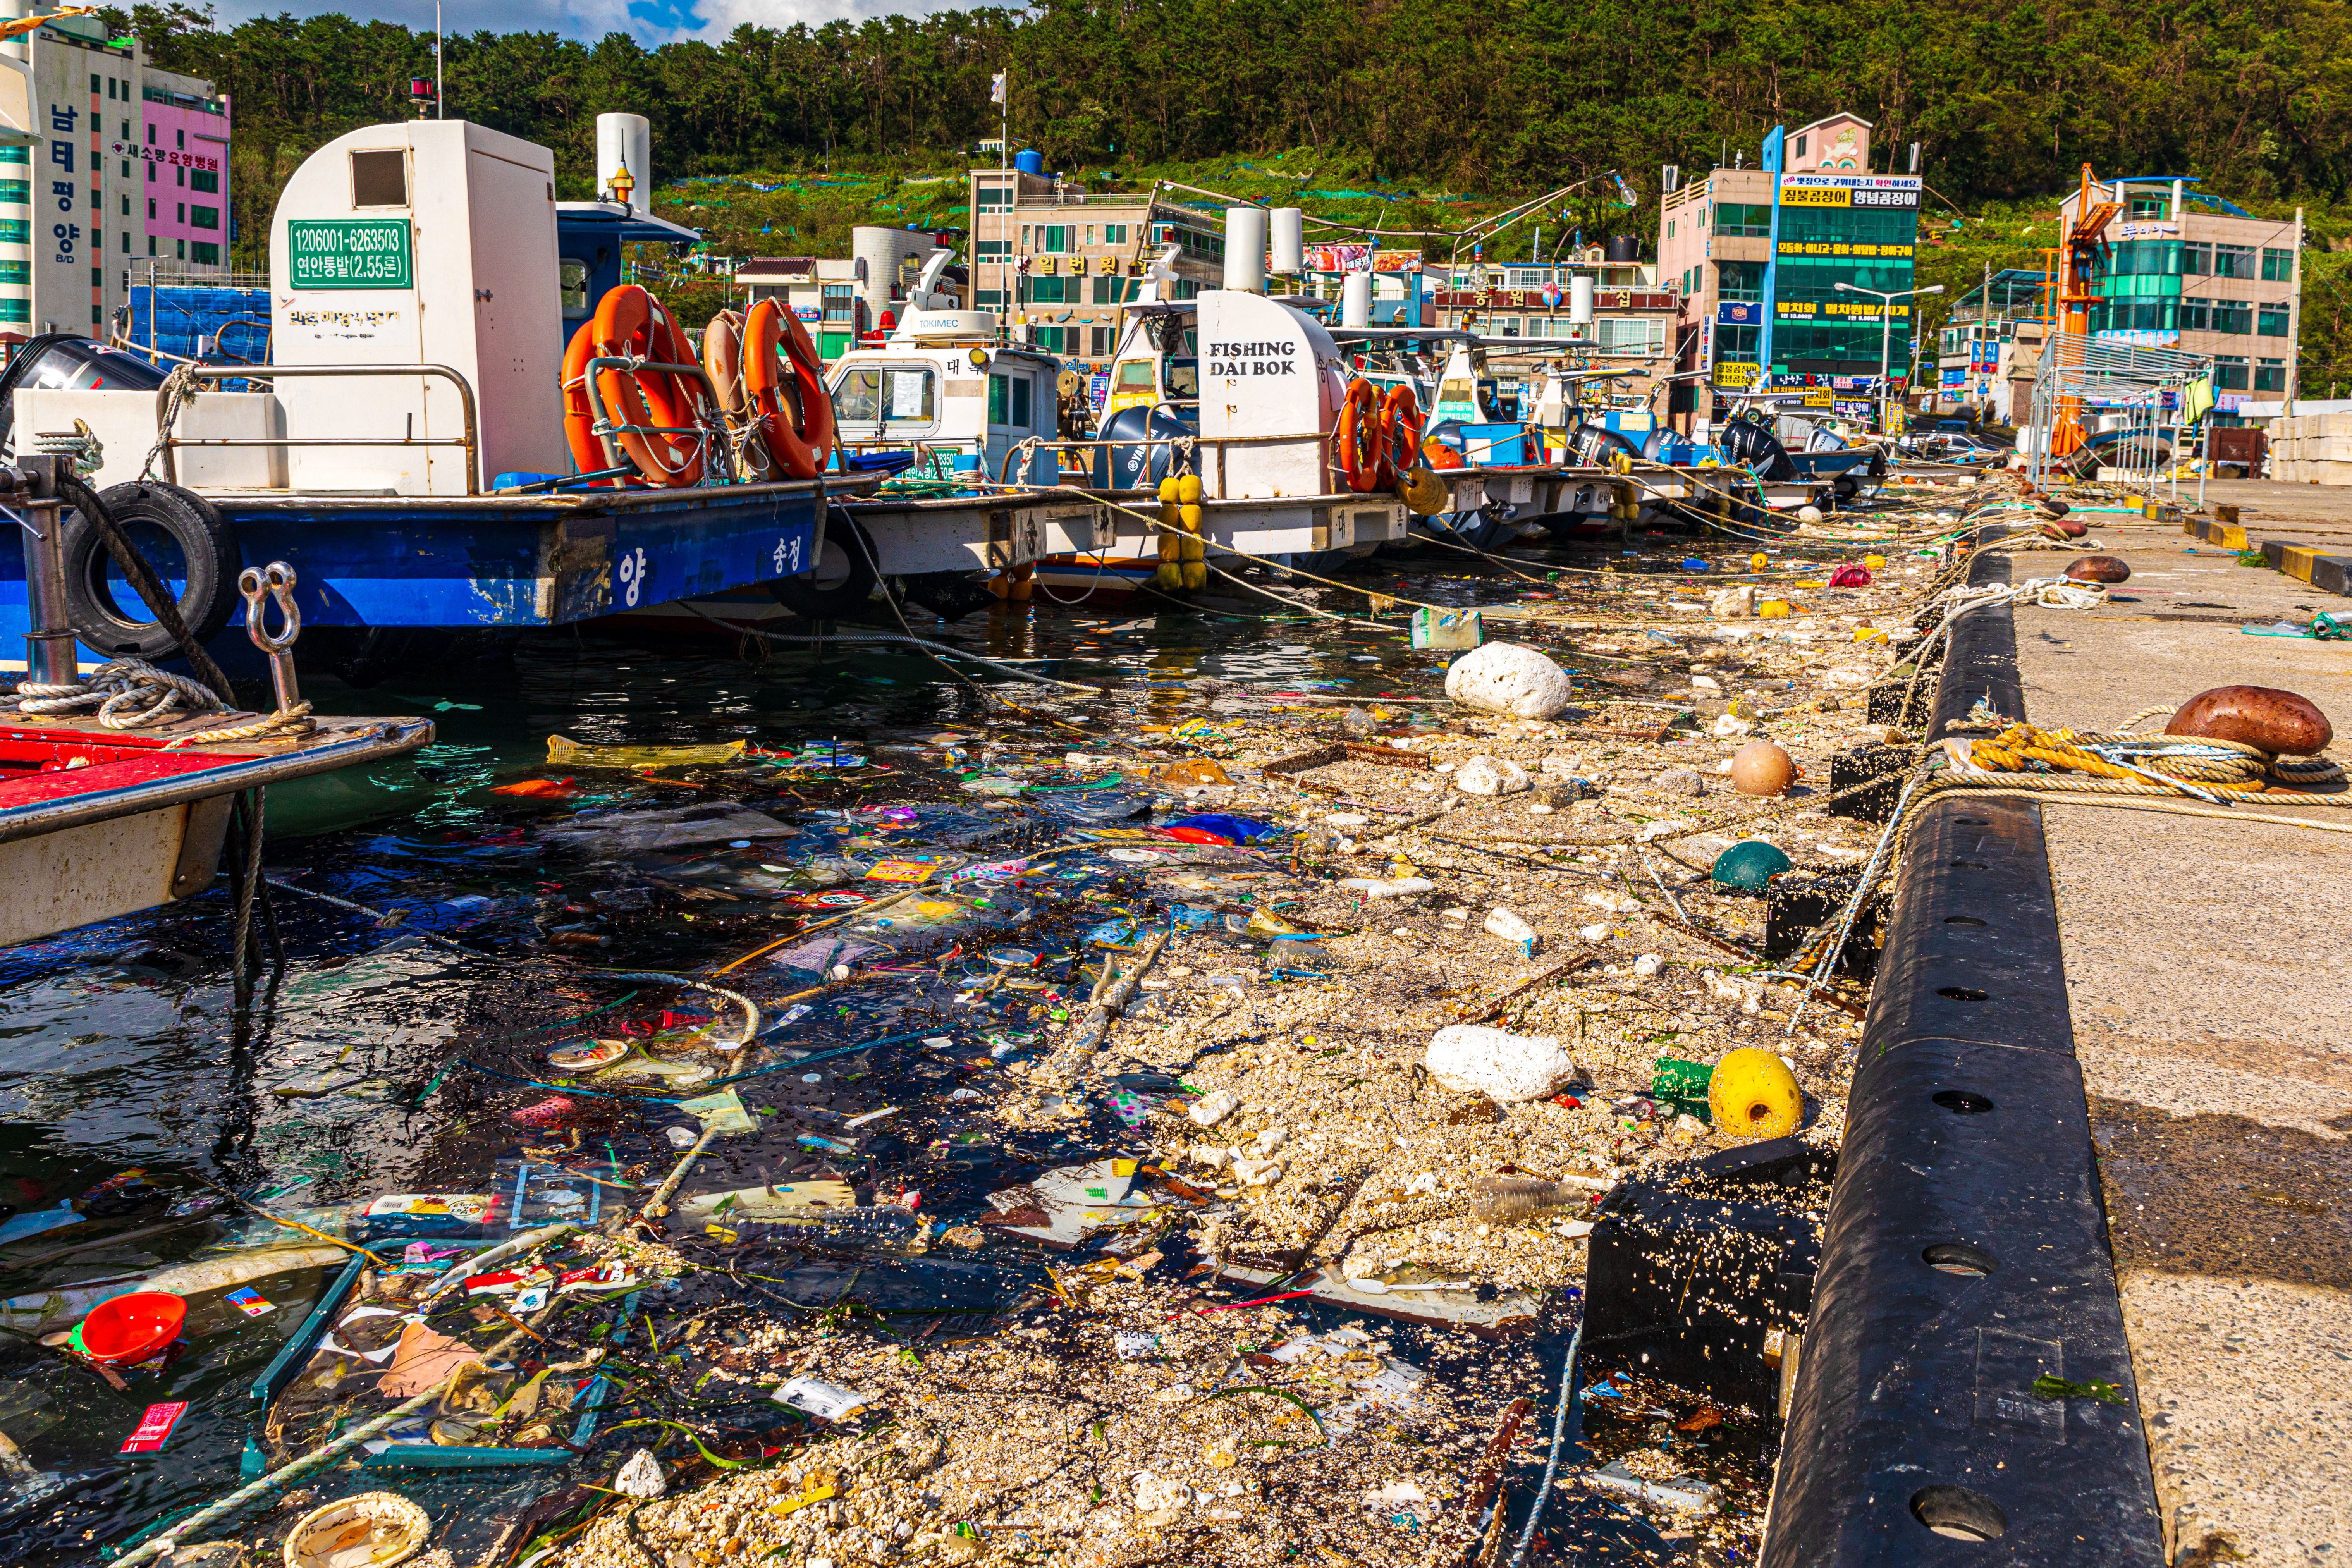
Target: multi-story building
[
  {"x": 1056, "y": 260},
  {"x": 842, "y": 301},
  {"x": 120, "y": 167},
  {"x": 1634, "y": 314},
  {"x": 2196, "y": 273},
  {"x": 1991, "y": 346},
  {"x": 1756, "y": 256}
]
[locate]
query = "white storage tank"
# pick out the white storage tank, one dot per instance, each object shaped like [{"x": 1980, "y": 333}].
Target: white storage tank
[
  {"x": 1246, "y": 250},
  {"x": 624, "y": 141}
]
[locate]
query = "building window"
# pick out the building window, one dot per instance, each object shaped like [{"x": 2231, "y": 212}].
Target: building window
[
  {"x": 2233, "y": 261},
  {"x": 180, "y": 139},
  {"x": 988, "y": 299},
  {"x": 2150, "y": 207},
  {"x": 2229, "y": 372},
  {"x": 203, "y": 217},
  {"x": 180, "y": 175},
  {"x": 2195, "y": 316},
  {"x": 2273, "y": 322},
  {"x": 1057, "y": 241},
  {"x": 2197, "y": 260},
  {"x": 992, "y": 198},
  {"x": 184, "y": 212},
  {"x": 1801, "y": 147},
  {"x": 1739, "y": 280},
  {"x": 839, "y": 302},
  {"x": 2233, "y": 316},
  {"x": 94, "y": 79},
  {"x": 181, "y": 252},
  {"x": 126, "y": 242},
  {"x": 150, "y": 245},
  {"x": 1046, "y": 292},
  {"x": 1670, "y": 228},
  {"x": 2278, "y": 264},
  {"x": 1115, "y": 234},
  {"x": 150, "y": 209},
  {"x": 204, "y": 180},
  {"x": 1099, "y": 343},
  {"x": 993, "y": 250},
  {"x": 2270, "y": 375},
  {"x": 1749, "y": 220},
  {"x": 126, "y": 207}
]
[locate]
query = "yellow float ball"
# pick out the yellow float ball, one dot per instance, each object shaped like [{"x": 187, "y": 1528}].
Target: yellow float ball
[
  {"x": 1167, "y": 490},
  {"x": 1754, "y": 1095},
  {"x": 1195, "y": 574},
  {"x": 1189, "y": 515},
  {"x": 1188, "y": 488},
  {"x": 1758, "y": 562}
]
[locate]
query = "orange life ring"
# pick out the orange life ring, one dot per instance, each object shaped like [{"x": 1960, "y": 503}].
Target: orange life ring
[
  {"x": 1401, "y": 424},
  {"x": 631, "y": 321},
  {"x": 1363, "y": 446},
  {"x": 722, "y": 358},
  {"x": 588, "y": 452},
  {"x": 1439, "y": 456},
  {"x": 796, "y": 419}
]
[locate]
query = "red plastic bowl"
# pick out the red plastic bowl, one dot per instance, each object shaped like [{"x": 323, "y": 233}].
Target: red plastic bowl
[{"x": 128, "y": 1328}]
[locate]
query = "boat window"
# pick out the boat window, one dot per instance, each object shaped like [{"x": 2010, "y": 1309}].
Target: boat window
[
  {"x": 906, "y": 396},
  {"x": 1183, "y": 378},
  {"x": 1008, "y": 401},
  {"x": 1456, "y": 390},
  {"x": 575, "y": 283},
  {"x": 1136, "y": 375},
  {"x": 857, "y": 397},
  {"x": 380, "y": 179}
]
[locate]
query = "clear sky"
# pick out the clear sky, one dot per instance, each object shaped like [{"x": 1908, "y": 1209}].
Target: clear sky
[{"x": 651, "y": 21}]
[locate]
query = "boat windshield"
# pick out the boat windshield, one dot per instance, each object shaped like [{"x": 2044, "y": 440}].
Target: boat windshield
[{"x": 1184, "y": 378}]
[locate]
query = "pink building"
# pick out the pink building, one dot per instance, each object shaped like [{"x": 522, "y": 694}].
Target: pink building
[{"x": 181, "y": 136}]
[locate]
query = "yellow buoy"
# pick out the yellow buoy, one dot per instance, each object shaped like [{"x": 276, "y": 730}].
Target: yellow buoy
[
  {"x": 1168, "y": 490},
  {"x": 1754, "y": 1095},
  {"x": 1188, "y": 488},
  {"x": 1758, "y": 562}
]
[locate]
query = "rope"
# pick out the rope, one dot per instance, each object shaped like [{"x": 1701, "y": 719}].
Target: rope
[
  {"x": 177, "y": 388},
  {"x": 287, "y": 722},
  {"x": 129, "y": 694}
]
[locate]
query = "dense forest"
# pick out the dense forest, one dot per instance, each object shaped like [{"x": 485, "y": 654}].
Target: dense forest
[{"x": 1412, "y": 105}]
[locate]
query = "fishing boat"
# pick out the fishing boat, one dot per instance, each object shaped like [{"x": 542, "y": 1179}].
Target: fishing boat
[
  {"x": 426, "y": 445},
  {"x": 116, "y": 787}
]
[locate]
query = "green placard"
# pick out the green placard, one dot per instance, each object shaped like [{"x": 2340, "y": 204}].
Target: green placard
[{"x": 348, "y": 253}]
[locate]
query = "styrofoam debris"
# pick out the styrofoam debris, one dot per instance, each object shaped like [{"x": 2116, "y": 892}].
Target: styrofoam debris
[
  {"x": 1508, "y": 677},
  {"x": 1468, "y": 1059}
]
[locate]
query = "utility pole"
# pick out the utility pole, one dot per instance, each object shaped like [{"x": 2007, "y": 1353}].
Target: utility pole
[
  {"x": 440, "y": 63},
  {"x": 2294, "y": 321}
]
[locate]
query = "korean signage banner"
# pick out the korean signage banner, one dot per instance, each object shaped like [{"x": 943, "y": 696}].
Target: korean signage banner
[
  {"x": 1850, "y": 191},
  {"x": 1739, "y": 313}
]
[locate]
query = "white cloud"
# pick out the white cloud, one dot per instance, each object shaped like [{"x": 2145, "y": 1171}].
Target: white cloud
[{"x": 652, "y": 21}]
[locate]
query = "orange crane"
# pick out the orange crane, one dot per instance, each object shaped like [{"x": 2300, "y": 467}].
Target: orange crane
[{"x": 2079, "y": 257}]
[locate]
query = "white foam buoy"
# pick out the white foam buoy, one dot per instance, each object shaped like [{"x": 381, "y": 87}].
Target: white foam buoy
[
  {"x": 1508, "y": 677},
  {"x": 1470, "y": 1059}
]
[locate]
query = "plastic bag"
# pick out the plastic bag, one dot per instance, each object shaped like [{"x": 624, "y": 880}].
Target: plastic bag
[{"x": 569, "y": 752}]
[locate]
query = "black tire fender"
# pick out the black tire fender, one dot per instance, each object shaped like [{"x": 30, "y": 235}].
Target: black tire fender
[
  {"x": 106, "y": 622},
  {"x": 841, "y": 580}
]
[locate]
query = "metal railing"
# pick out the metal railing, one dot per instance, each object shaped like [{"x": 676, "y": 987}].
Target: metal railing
[{"x": 470, "y": 441}]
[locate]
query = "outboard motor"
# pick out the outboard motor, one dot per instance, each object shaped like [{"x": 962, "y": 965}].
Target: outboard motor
[
  {"x": 1138, "y": 466},
  {"x": 1750, "y": 442}
]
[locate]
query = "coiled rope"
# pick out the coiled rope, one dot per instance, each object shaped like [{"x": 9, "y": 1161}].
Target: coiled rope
[{"x": 129, "y": 694}]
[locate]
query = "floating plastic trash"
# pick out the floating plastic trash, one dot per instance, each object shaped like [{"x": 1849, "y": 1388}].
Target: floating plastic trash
[
  {"x": 127, "y": 1330},
  {"x": 562, "y": 750},
  {"x": 373, "y": 1529},
  {"x": 593, "y": 1054},
  {"x": 1217, "y": 827},
  {"x": 1012, "y": 958}
]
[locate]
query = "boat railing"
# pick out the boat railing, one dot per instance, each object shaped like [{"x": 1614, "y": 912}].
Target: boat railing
[
  {"x": 1214, "y": 446},
  {"x": 607, "y": 430},
  {"x": 471, "y": 440}
]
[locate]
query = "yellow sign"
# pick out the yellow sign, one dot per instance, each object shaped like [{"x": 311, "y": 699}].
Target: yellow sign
[
  {"x": 1817, "y": 399},
  {"x": 1105, "y": 265},
  {"x": 1816, "y": 196},
  {"x": 1735, "y": 373}
]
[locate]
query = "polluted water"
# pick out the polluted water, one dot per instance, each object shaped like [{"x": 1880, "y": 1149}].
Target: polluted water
[{"x": 833, "y": 1104}]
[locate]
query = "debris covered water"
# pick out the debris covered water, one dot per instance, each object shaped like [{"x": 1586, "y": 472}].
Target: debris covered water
[{"x": 1086, "y": 1190}]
